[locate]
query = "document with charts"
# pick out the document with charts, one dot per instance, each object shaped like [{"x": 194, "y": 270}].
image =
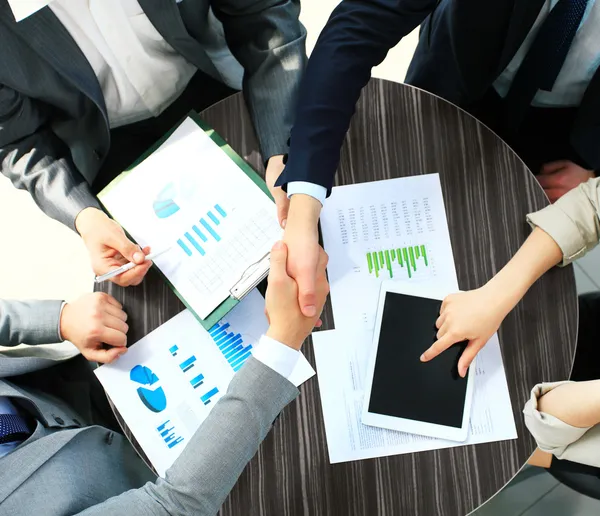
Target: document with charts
[
  {"x": 167, "y": 383},
  {"x": 342, "y": 358},
  {"x": 191, "y": 195},
  {"x": 394, "y": 229}
]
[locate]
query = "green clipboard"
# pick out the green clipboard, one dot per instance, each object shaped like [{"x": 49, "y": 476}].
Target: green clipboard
[{"x": 226, "y": 306}]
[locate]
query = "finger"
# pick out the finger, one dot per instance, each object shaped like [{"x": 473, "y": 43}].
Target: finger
[
  {"x": 443, "y": 330},
  {"x": 440, "y": 321},
  {"x": 469, "y": 354},
  {"x": 113, "y": 337},
  {"x": 111, "y": 301},
  {"x": 113, "y": 311},
  {"x": 438, "y": 347},
  {"x": 104, "y": 356},
  {"x": 554, "y": 166},
  {"x": 283, "y": 206},
  {"x": 279, "y": 254},
  {"x": 319, "y": 323},
  {"x": 110, "y": 321},
  {"x": 133, "y": 276},
  {"x": 323, "y": 260},
  {"x": 445, "y": 302},
  {"x": 130, "y": 251}
]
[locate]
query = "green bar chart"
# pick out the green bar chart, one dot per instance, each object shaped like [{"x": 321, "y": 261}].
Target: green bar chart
[{"x": 408, "y": 258}]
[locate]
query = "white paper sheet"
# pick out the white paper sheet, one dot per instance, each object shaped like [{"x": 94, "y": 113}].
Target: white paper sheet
[
  {"x": 190, "y": 195},
  {"x": 24, "y": 8},
  {"x": 342, "y": 358},
  {"x": 405, "y": 214},
  {"x": 181, "y": 354}
]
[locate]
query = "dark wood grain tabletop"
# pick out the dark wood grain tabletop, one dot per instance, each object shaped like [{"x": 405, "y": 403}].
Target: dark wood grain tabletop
[{"x": 400, "y": 131}]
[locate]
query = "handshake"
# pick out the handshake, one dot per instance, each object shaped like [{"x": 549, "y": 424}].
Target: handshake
[{"x": 96, "y": 323}]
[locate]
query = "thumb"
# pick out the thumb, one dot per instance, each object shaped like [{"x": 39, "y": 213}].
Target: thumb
[
  {"x": 279, "y": 254},
  {"x": 126, "y": 247},
  {"x": 283, "y": 206},
  {"x": 105, "y": 356}
]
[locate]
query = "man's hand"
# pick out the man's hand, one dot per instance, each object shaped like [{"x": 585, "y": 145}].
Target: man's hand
[
  {"x": 275, "y": 167},
  {"x": 558, "y": 177},
  {"x": 94, "y": 320},
  {"x": 302, "y": 239},
  {"x": 109, "y": 248},
  {"x": 287, "y": 324},
  {"x": 472, "y": 316}
]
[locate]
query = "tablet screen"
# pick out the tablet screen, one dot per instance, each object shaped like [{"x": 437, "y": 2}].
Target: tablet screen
[{"x": 405, "y": 387}]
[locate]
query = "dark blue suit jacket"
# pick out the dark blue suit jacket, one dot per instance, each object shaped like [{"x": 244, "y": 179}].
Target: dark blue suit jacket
[{"x": 464, "y": 46}]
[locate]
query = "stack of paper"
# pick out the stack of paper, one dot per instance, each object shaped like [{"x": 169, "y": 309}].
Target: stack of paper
[
  {"x": 390, "y": 230},
  {"x": 167, "y": 383}
]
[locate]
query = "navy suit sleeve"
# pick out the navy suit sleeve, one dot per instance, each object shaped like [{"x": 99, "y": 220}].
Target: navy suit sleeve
[{"x": 357, "y": 37}]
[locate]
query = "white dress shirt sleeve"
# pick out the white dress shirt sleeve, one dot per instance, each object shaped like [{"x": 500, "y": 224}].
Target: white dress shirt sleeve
[
  {"x": 279, "y": 357},
  {"x": 62, "y": 307},
  {"x": 303, "y": 187}
]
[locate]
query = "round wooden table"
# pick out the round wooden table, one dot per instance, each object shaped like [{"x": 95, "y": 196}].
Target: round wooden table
[{"x": 398, "y": 131}]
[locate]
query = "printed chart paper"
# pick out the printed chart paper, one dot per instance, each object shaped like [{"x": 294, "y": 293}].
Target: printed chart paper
[
  {"x": 190, "y": 196},
  {"x": 342, "y": 357},
  {"x": 167, "y": 383},
  {"x": 385, "y": 230}
]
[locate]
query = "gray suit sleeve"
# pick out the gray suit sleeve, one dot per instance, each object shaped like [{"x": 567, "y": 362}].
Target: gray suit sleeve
[
  {"x": 267, "y": 38},
  {"x": 36, "y": 160},
  {"x": 29, "y": 322},
  {"x": 204, "y": 474}
]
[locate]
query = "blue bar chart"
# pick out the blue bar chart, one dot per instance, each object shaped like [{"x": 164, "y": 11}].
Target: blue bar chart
[
  {"x": 195, "y": 244},
  {"x": 197, "y": 381},
  {"x": 186, "y": 365},
  {"x": 231, "y": 345},
  {"x": 173, "y": 350},
  {"x": 203, "y": 232},
  {"x": 206, "y": 397},
  {"x": 167, "y": 432}
]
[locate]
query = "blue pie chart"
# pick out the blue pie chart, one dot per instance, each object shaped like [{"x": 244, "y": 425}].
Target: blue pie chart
[
  {"x": 164, "y": 206},
  {"x": 153, "y": 399}
]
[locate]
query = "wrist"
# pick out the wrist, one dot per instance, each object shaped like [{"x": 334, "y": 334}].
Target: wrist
[
  {"x": 63, "y": 325},
  {"x": 503, "y": 294},
  {"x": 85, "y": 219},
  {"x": 304, "y": 208},
  {"x": 285, "y": 336}
]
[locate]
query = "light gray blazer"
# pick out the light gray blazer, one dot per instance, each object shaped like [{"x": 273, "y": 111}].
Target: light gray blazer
[
  {"x": 70, "y": 465},
  {"x": 54, "y": 131}
]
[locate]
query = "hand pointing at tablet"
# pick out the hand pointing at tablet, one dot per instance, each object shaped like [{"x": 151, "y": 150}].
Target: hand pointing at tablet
[
  {"x": 476, "y": 315},
  {"x": 473, "y": 316}
]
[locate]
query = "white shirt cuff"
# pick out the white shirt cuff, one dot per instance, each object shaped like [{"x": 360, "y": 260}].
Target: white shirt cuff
[
  {"x": 279, "y": 357},
  {"x": 302, "y": 187},
  {"x": 62, "y": 307}
]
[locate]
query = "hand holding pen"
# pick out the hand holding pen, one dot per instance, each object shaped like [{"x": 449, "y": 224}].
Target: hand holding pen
[{"x": 128, "y": 266}]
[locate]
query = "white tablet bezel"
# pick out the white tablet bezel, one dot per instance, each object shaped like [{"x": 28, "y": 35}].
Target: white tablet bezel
[{"x": 409, "y": 425}]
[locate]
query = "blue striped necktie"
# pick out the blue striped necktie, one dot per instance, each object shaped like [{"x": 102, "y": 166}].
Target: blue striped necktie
[
  {"x": 545, "y": 58},
  {"x": 13, "y": 428}
]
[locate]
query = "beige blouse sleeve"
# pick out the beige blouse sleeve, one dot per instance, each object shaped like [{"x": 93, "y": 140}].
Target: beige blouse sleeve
[
  {"x": 572, "y": 221},
  {"x": 554, "y": 436}
]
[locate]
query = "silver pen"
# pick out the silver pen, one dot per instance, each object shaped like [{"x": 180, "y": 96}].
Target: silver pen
[{"x": 127, "y": 267}]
